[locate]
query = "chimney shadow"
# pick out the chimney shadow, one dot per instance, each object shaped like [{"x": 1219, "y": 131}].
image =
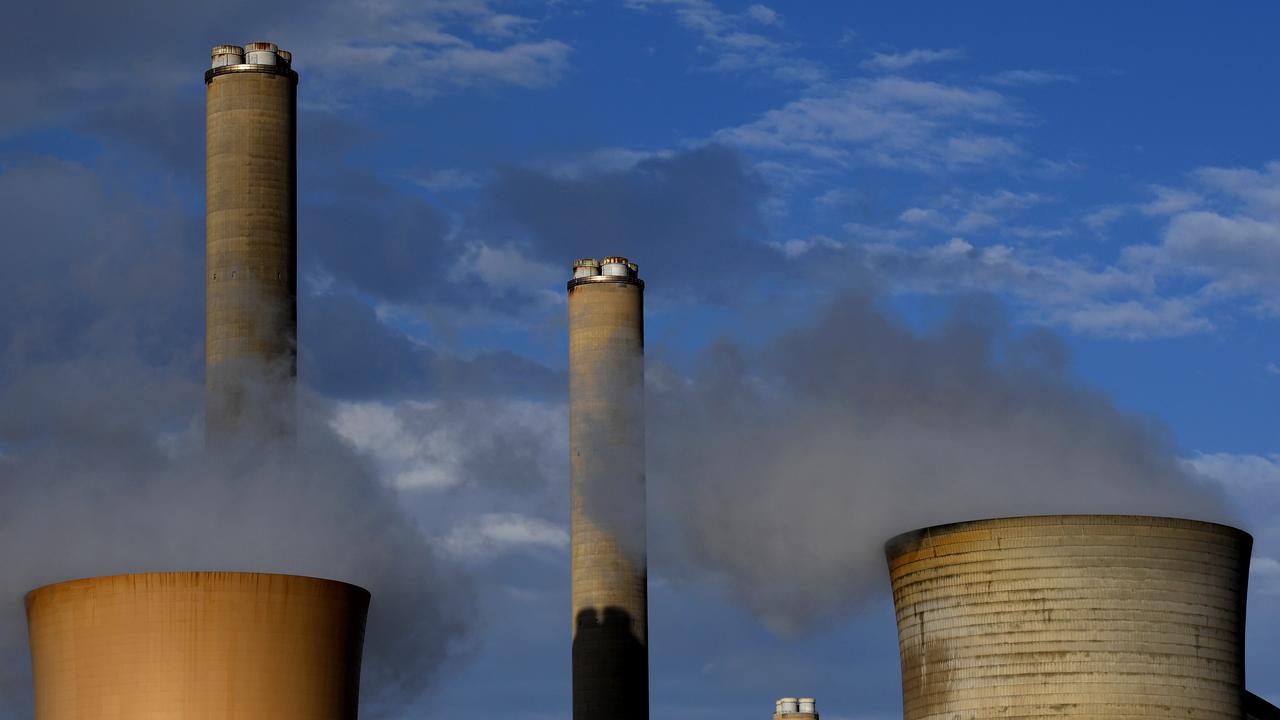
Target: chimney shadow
[{"x": 610, "y": 668}]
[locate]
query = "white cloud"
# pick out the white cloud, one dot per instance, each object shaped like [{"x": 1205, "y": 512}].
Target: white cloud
[
  {"x": 1251, "y": 479},
  {"x": 763, "y": 14},
  {"x": 602, "y": 161},
  {"x": 1028, "y": 77},
  {"x": 896, "y": 62},
  {"x": 796, "y": 247},
  {"x": 890, "y": 121},
  {"x": 422, "y": 49},
  {"x": 733, "y": 43},
  {"x": 1134, "y": 319},
  {"x": 427, "y": 71},
  {"x": 1100, "y": 219},
  {"x": 972, "y": 212},
  {"x": 875, "y": 233},
  {"x": 921, "y": 216},
  {"x": 437, "y": 445},
  {"x": 1170, "y": 201},
  {"x": 492, "y": 534},
  {"x": 1091, "y": 299},
  {"x": 1229, "y": 237},
  {"x": 1264, "y": 576},
  {"x": 503, "y": 266},
  {"x": 447, "y": 180},
  {"x": 1273, "y": 368}
]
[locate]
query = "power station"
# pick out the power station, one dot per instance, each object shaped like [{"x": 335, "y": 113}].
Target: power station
[
  {"x": 607, "y": 491},
  {"x": 1060, "y": 616},
  {"x": 251, "y": 240}
]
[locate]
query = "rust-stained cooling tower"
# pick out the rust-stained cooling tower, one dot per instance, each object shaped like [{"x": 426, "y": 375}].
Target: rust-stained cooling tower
[
  {"x": 607, "y": 495},
  {"x": 1094, "y": 616},
  {"x": 197, "y": 646},
  {"x": 251, "y": 238}
]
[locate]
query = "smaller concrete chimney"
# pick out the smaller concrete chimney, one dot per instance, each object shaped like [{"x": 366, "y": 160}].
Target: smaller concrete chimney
[
  {"x": 224, "y": 55},
  {"x": 789, "y": 708}
]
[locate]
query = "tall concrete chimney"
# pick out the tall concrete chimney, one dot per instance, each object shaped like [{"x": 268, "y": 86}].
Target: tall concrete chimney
[
  {"x": 197, "y": 646},
  {"x": 251, "y": 239},
  {"x": 607, "y": 491}
]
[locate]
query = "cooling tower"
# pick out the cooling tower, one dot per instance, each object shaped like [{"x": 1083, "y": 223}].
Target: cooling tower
[
  {"x": 197, "y": 646},
  {"x": 251, "y": 238},
  {"x": 1071, "y": 616},
  {"x": 607, "y": 494}
]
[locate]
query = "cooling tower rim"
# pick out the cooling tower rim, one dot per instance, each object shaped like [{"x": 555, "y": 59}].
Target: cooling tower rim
[
  {"x": 202, "y": 574},
  {"x": 911, "y": 540},
  {"x": 284, "y": 70}
]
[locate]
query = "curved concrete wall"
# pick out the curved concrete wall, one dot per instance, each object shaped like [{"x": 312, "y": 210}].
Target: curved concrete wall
[
  {"x": 607, "y": 500},
  {"x": 1071, "y": 616},
  {"x": 198, "y": 646},
  {"x": 251, "y": 245}
]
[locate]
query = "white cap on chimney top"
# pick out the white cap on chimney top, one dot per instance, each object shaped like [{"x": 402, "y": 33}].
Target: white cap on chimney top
[
  {"x": 261, "y": 53},
  {"x": 789, "y": 705},
  {"x": 808, "y": 705},
  {"x": 586, "y": 267},
  {"x": 227, "y": 55},
  {"x": 615, "y": 266}
]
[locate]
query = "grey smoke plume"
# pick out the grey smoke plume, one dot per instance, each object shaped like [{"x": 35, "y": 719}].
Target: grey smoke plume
[
  {"x": 116, "y": 498},
  {"x": 789, "y": 467}
]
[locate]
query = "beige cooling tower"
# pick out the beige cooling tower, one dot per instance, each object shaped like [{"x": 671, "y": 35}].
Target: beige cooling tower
[
  {"x": 1085, "y": 616},
  {"x": 197, "y": 646}
]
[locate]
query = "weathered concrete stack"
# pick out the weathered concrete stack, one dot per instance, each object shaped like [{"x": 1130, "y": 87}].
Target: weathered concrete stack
[
  {"x": 251, "y": 239},
  {"x": 197, "y": 646},
  {"x": 1071, "y": 616},
  {"x": 607, "y": 494}
]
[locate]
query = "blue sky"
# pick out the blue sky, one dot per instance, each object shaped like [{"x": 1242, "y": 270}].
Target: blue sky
[{"x": 1095, "y": 184}]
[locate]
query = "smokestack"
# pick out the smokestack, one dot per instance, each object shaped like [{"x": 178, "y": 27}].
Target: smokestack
[
  {"x": 607, "y": 491},
  {"x": 251, "y": 238},
  {"x": 789, "y": 708},
  {"x": 1071, "y": 616},
  {"x": 197, "y": 646}
]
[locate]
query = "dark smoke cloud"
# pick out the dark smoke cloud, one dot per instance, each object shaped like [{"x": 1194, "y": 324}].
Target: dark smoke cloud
[
  {"x": 789, "y": 467},
  {"x": 686, "y": 218},
  {"x": 350, "y": 354}
]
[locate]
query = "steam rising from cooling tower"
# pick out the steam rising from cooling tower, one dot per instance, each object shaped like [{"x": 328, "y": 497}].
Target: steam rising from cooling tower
[
  {"x": 607, "y": 495},
  {"x": 787, "y": 466}
]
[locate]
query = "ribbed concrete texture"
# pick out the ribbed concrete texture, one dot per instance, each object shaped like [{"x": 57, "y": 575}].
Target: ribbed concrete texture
[
  {"x": 197, "y": 646},
  {"x": 606, "y": 437},
  {"x": 1093, "y": 616},
  {"x": 251, "y": 242}
]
